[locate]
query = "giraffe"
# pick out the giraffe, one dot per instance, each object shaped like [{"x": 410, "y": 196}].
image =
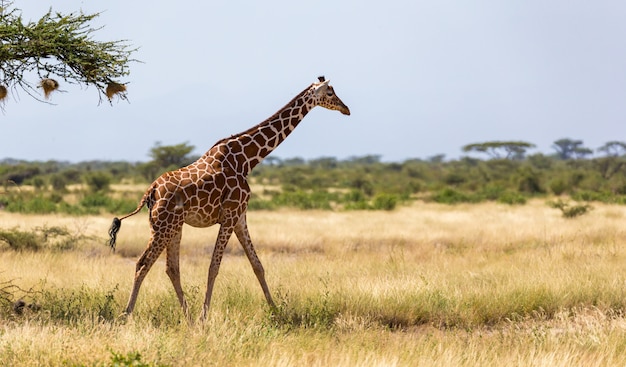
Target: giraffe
[{"x": 214, "y": 190}]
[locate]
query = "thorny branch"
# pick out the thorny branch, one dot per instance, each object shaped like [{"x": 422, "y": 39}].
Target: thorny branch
[
  {"x": 59, "y": 46},
  {"x": 8, "y": 291}
]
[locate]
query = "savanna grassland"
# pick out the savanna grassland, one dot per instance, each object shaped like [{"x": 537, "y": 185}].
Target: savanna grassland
[{"x": 425, "y": 284}]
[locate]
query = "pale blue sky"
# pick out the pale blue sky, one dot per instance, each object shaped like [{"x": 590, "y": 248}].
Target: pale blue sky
[{"x": 420, "y": 77}]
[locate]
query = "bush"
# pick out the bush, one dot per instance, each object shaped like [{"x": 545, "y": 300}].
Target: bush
[
  {"x": 355, "y": 199},
  {"x": 303, "y": 200},
  {"x": 39, "y": 238},
  {"x": 357, "y": 205},
  {"x": 20, "y": 241},
  {"x": 121, "y": 205},
  {"x": 512, "y": 198},
  {"x": 58, "y": 183},
  {"x": 72, "y": 305},
  {"x": 528, "y": 181},
  {"x": 260, "y": 204},
  {"x": 570, "y": 211},
  {"x": 558, "y": 186},
  {"x": 36, "y": 205},
  {"x": 98, "y": 181},
  {"x": 131, "y": 359},
  {"x": 96, "y": 199},
  {"x": 38, "y": 183},
  {"x": 451, "y": 196},
  {"x": 492, "y": 191},
  {"x": 384, "y": 202}
]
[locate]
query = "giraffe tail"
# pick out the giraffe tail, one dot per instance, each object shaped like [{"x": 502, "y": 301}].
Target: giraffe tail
[
  {"x": 117, "y": 222},
  {"x": 115, "y": 227}
]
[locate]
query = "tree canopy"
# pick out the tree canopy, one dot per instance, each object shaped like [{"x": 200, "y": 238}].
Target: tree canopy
[
  {"x": 567, "y": 149},
  {"x": 58, "y": 46},
  {"x": 171, "y": 155},
  {"x": 613, "y": 148},
  {"x": 495, "y": 149}
]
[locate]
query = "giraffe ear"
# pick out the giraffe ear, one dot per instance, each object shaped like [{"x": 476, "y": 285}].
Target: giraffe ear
[{"x": 321, "y": 87}]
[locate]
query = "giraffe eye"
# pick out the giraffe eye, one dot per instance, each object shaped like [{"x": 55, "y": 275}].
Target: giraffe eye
[{"x": 329, "y": 93}]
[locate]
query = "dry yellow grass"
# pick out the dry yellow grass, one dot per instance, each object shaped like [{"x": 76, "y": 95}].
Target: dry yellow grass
[{"x": 424, "y": 285}]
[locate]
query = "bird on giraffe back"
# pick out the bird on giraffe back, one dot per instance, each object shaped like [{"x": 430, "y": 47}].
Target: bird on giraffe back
[{"x": 214, "y": 190}]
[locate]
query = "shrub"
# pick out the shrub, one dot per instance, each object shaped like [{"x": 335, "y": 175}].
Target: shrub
[
  {"x": 511, "y": 198},
  {"x": 450, "y": 196},
  {"x": 96, "y": 199},
  {"x": 98, "y": 181},
  {"x": 36, "y": 205},
  {"x": 72, "y": 305},
  {"x": 66, "y": 208},
  {"x": 492, "y": 191},
  {"x": 558, "y": 186},
  {"x": 570, "y": 211},
  {"x": 38, "y": 183},
  {"x": 384, "y": 202},
  {"x": 20, "y": 241},
  {"x": 55, "y": 238},
  {"x": 586, "y": 195},
  {"x": 355, "y": 200},
  {"x": 528, "y": 181},
  {"x": 261, "y": 204},
  {"x": 303, "y": 200},
  {"x": 92, "y": 203},
  {"x": 363, "y": 184},
  {"x": 131, "y": 359},
  {"x": 357, "y": 205},
  {"x": 58, "y": 182},
  {"x": 121, "y": 205},
  {"x": 454, "y": 178},
  {"x": 354, "y": 196}
]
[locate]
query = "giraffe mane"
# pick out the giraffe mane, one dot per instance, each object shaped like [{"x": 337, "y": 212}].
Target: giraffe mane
[{"x": 273, "y": 117}]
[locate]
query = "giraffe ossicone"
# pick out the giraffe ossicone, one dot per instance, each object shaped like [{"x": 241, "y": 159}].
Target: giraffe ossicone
[{"x": 214, "y": 190}]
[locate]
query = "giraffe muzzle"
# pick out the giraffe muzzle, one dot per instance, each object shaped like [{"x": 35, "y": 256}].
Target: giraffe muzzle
[{"x": 344, "y": 109}]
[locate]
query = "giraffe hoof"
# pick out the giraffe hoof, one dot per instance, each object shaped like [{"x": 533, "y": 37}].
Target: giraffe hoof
[{"x": 123, "y": 318}]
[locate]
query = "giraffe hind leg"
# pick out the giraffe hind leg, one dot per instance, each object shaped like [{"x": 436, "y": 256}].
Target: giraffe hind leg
[
  {"x": 144, "y": 264},
  {"x": 224, "y": 234},
  {"x": 173, "y": 270}
]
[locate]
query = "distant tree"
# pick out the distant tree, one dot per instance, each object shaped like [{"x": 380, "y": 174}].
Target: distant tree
[
  {"x": 19, "y": 173},
  {"x": 569, "y": 149},
  {"x": 171, "y": 156},
  {"x": 611, "y": 164},
  {"x": 366, "y": 159},
  {"x": 496, "y": 149},
  {"x": 58, "y": 46},
  {"x": 272, "y": 161},
  {"x": 437, "y": 158},
  {"x": 582, "y": 152},
  {"x": 166, "y": 158},
  {"x": 324, "y": 162},
  {"x": 613, "y": 148},
  {"x": 296, "y": 161}
]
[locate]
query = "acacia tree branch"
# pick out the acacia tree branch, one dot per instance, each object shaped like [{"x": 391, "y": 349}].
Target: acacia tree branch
[{"x": 60, "y": 46}]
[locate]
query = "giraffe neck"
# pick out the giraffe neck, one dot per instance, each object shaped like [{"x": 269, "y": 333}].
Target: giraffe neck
[{"x": 245, "y": 150}]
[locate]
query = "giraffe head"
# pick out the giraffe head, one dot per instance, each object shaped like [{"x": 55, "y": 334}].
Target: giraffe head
[{"x": 324, "y": 95}]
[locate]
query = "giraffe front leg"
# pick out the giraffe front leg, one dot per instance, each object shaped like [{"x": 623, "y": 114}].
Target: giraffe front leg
[
  {"x": 241, "y": 231},
  {"x": 218, "y": 252}
]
